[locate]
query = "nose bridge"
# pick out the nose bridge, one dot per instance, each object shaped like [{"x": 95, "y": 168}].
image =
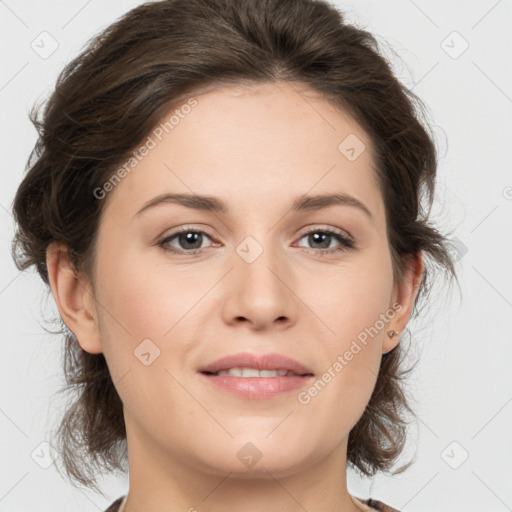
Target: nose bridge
[
  {"x": 260, "y": 283},
  {"x": 261, "y": 263}
]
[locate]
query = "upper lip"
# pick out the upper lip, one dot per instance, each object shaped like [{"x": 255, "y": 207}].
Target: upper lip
[{"x": 270, "y": 361}]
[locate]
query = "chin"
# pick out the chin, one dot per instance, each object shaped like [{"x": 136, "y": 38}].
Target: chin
[
  {"x": 265, "y": 468},
  {"x": 246, "y": 459}
]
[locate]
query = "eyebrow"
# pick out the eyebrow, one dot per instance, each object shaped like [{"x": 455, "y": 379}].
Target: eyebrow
[{"x": 216, "y": 205}]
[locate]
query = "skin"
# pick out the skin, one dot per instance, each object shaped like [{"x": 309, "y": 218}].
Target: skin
[{"x": 257, "y": 148}]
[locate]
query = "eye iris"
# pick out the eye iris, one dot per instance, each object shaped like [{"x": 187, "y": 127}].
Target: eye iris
[
  {"x": 314, "y": 238},
  {"x": 193, "y": 239},
  {"x": 190, "y": 238}
]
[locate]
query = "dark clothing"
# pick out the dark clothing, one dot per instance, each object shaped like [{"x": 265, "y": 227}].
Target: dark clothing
[{"x": 377, "y": 505}]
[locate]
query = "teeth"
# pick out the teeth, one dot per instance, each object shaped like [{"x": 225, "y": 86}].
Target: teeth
[
  {"x": 253, "y": 372},
  {"x": 271, "y": 373}
]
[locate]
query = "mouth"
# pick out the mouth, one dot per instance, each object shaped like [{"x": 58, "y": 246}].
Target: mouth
[
  {"x": 254, "y": 372},
  {"x": 250, "y": 365},
  {"x": 256, "y": 377}
]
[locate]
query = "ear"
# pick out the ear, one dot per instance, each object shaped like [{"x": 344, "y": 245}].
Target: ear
[
  {"x": 74, "y": 298},
  {"x": 404, "y": 294}
]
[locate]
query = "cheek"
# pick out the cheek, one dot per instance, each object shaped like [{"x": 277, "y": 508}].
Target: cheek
[
  {"x": 143, "y": 303},
  {"x": 147, "y": 300},
  {"x": 352, "y": 298},
  {"x": 352, "y": 348}
]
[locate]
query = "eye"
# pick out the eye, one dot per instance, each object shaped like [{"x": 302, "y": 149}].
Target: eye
[
  {"x": 189, "y": 241},
  {"x": 323, "y": 238}
]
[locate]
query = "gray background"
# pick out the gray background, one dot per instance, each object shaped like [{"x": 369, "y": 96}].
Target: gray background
[{"x": 462, "y": 385}]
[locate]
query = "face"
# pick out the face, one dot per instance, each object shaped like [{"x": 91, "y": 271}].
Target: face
[{"x": 265, "y": 275}]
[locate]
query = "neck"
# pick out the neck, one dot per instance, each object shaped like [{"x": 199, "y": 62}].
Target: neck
[{"x": 160, "y": 483}]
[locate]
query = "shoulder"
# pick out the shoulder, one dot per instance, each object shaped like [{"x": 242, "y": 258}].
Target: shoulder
[
  {"x": 115, "y": 506},
  {"x": 371, "y": 505},
  {"x": 378, "y": 505}
]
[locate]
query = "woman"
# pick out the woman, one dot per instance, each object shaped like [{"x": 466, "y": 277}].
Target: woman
[{"x": 249, "y": 368}]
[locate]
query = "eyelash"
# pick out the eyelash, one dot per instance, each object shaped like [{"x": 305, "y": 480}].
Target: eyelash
[{"x": 346, "y": 243}]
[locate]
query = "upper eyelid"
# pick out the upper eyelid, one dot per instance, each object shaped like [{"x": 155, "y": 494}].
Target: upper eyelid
[
  {"x": 333, "y": 231},
  {"x": 338, "y": 231}
]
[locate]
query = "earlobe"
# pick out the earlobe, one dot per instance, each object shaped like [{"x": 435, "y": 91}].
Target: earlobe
[
  {"x": 404, "y": 294},
  {"x": 74, "y": 299}
]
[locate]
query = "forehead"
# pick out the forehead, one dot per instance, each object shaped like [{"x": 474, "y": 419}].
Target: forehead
[{"x": 249, "y": 143}]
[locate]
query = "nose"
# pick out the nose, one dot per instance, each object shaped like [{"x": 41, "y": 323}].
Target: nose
[{"x": 260, "y": 293}]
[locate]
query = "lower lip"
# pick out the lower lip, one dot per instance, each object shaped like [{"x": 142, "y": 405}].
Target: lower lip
[{"x": 257, "y": 388}]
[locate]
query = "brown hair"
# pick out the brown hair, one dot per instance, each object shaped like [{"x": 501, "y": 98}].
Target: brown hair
[{"x": 111, "y": 96}]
